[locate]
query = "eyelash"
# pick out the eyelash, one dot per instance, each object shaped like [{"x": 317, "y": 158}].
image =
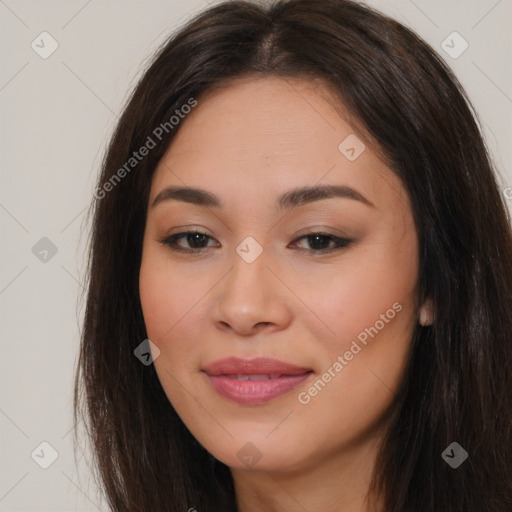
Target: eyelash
[{"x": 341, "y": 243}]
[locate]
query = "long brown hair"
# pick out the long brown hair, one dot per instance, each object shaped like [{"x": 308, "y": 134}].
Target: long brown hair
[{"x": 459, "y": 379}]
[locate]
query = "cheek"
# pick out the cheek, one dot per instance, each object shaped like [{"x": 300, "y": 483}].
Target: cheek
[
  {"x": 354, "y": 296},
  {"x": 167, "y": 297},
  {"x": 369, "y": 306},
  {"x": 167, "y": 305},
  {"x": 157, "y": 302},
  {"x": 174, "y": 302},
  {"x": 363, "y": 364}
]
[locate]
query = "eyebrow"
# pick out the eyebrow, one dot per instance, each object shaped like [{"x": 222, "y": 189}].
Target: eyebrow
[{"x": 290, "y": 199}]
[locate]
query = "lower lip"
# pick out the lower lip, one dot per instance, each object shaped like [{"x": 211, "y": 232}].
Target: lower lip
[{"x": 255, "y": 391}]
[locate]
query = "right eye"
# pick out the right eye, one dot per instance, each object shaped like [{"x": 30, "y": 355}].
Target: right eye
[{"x": 195, "y": 239}]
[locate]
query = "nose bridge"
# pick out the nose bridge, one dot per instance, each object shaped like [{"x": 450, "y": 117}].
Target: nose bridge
[
  {"x": 250, "y": 294},
  {"x": 249, "y": 268}
]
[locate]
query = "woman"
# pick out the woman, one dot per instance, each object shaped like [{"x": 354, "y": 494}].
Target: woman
[{"x": 300, "y": 276}]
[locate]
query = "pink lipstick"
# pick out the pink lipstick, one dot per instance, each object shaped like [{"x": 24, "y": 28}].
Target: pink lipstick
[{"x": 254, "y": 381}]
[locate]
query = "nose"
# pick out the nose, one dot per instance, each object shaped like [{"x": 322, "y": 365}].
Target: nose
[{"x": 251, "y": 299}]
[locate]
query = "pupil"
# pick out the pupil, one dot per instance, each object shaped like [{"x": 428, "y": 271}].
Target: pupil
[
  {"x": 196, "y": 238},
  {"x": 316, "y": 238}
]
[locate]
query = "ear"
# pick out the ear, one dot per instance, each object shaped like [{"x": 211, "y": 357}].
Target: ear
[{"x": 426, "y": 314}]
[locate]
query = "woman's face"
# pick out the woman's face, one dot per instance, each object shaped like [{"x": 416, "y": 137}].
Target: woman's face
[{"x": 339, "y": 307}]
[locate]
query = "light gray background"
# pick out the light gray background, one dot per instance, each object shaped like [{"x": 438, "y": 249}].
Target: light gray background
[{"x": 57, "y": 114}]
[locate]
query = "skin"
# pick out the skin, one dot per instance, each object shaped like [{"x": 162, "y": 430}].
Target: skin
[{"x": 247, "y": 143}]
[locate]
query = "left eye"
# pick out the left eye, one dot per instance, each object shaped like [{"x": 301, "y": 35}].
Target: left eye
[{"x": 319, "y": 242}]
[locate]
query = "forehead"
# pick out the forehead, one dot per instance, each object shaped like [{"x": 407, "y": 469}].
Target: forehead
[
  {"x": 259, "y": 135},
  {"x": 262, "y": 116}
]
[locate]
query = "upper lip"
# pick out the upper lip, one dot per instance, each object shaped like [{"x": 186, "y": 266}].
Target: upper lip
[{"x": 256, "y": 366}]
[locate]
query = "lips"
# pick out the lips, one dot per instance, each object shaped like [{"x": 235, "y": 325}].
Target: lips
[
  {"x": 257, "y": 366},
  {"x": 243, "y": 376},
  {"x": 254, "y": 381}
]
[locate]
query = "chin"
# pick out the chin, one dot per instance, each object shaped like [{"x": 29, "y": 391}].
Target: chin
[{"x": 255, "y": 453}]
